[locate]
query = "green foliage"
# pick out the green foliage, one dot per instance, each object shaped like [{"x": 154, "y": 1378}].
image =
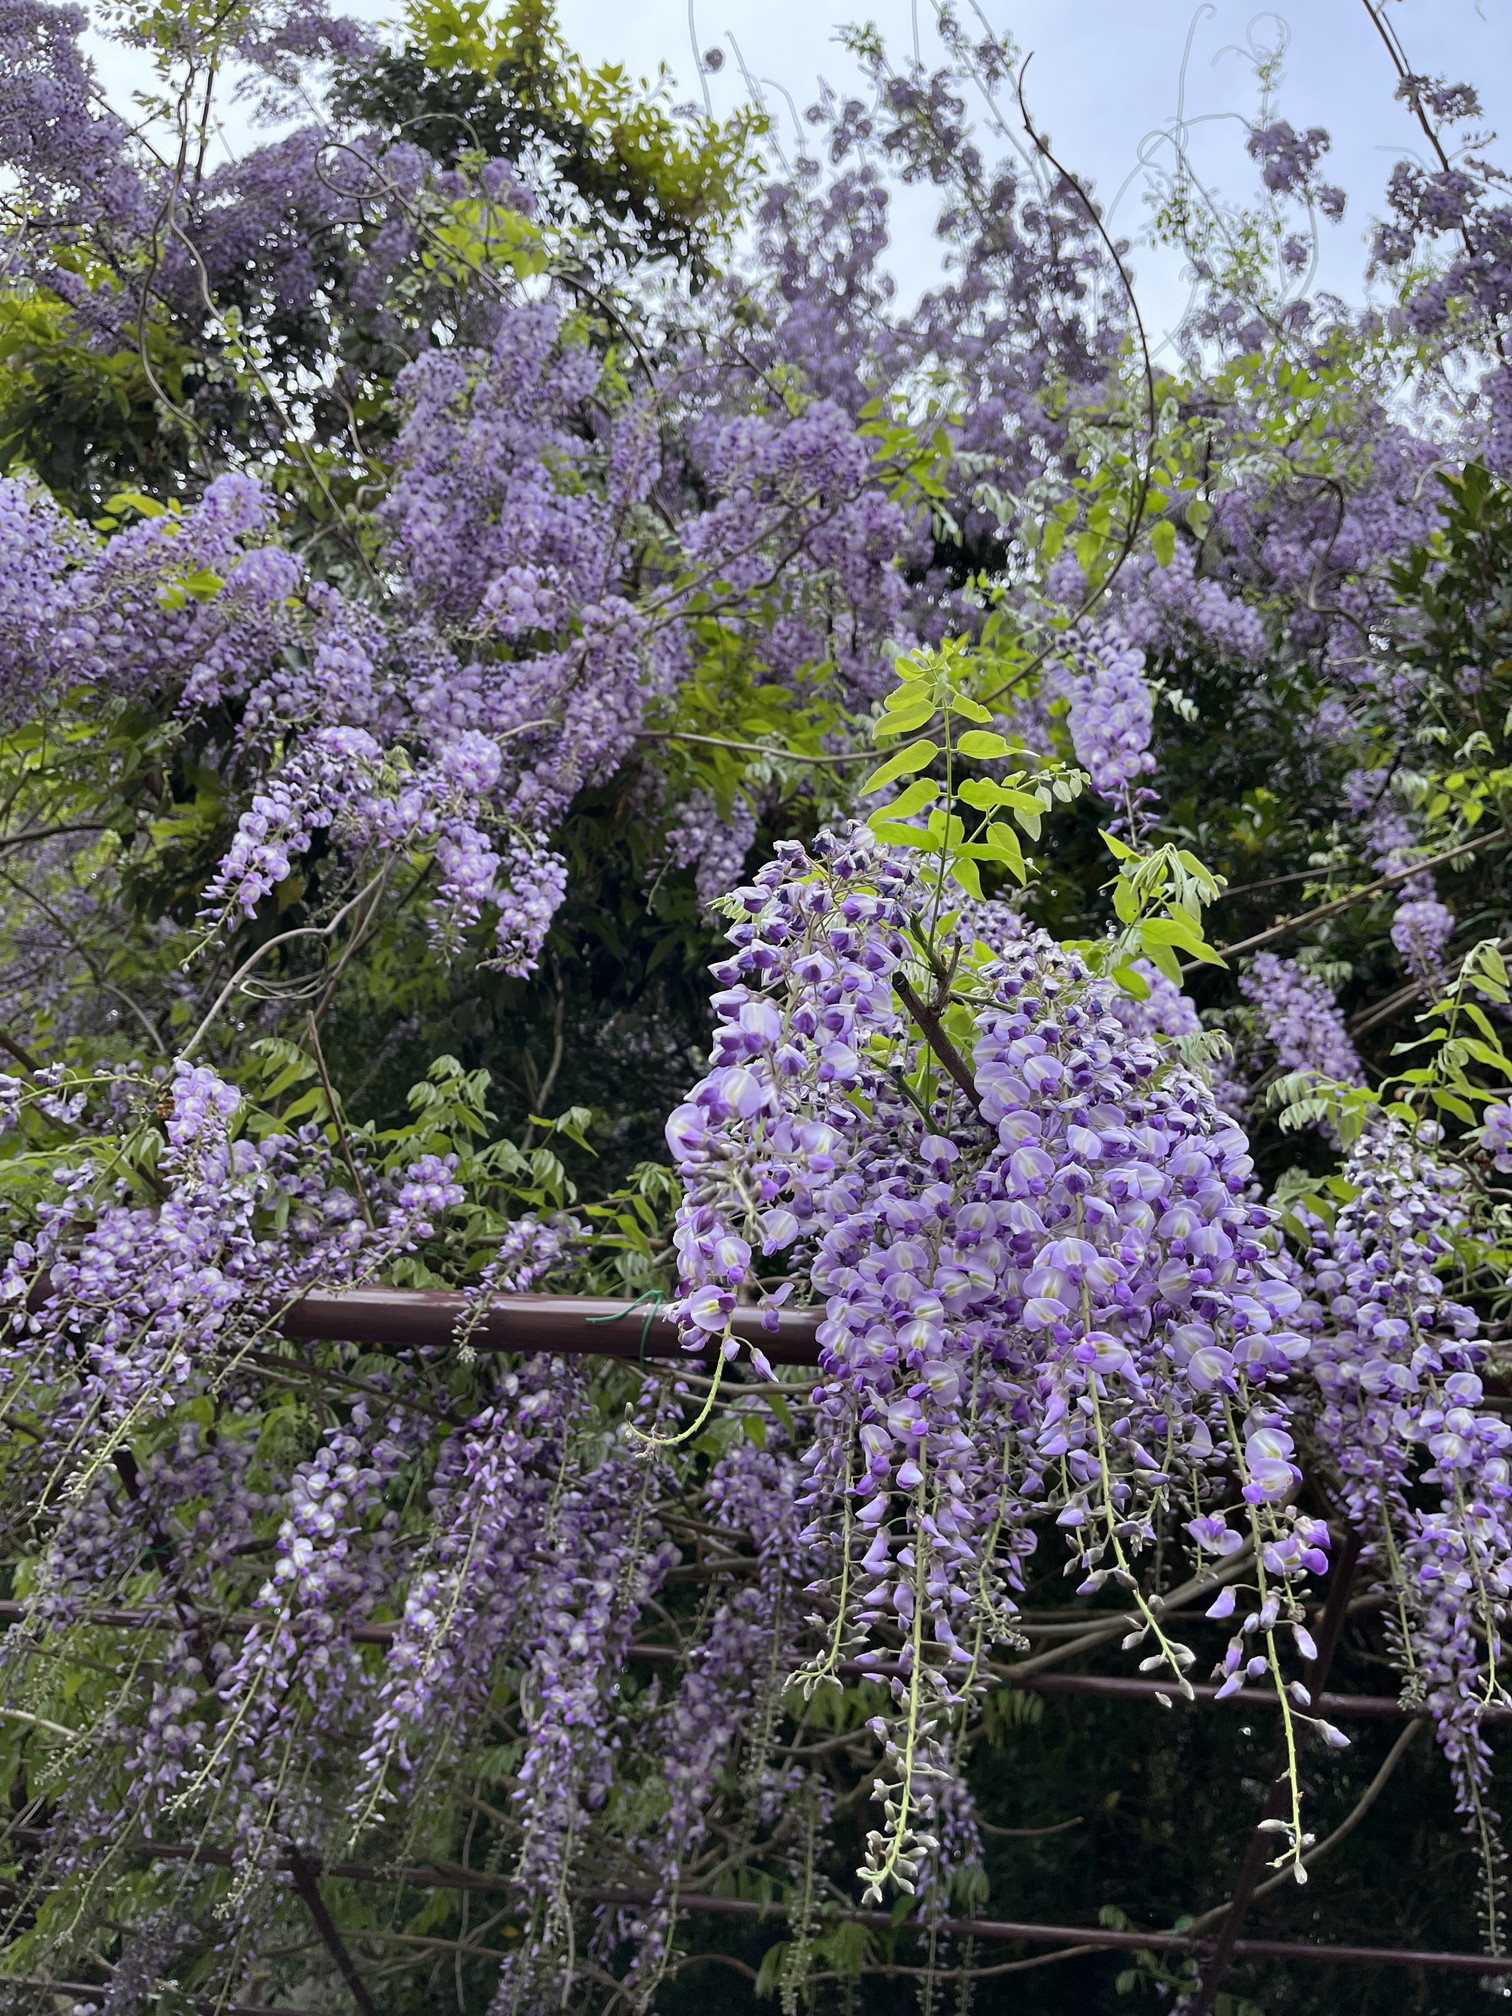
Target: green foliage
[
  {"x": 635, "y": 177},
  {"x": 933, "y": 686},
  {"x": 85, "y": 422}
]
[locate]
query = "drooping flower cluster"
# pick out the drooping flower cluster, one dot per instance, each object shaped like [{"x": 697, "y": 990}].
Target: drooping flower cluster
[
  {"x": 1066, "y": 1260},
  {"x": 1110, "y": 716},
  {"x": 1398, "y": 1366},
  {"x": 1496, "y": 1135},
  {"x": 1421, "y": 931},
  {"x": 1300, "y": 1020},
  {"x": 1423, "y": 926},
  {"x": 714, "y": 848}
]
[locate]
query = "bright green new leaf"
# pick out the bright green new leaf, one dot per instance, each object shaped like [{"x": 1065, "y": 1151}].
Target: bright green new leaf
[
  {"x": 1175, "y": 929},
  {"x": 982, "y": 744},
  {"x": 1132, "y": 981},
  {"x": 1163, "y": 541},
  {"x": 972, "y": 710},
  {"x": 1005, "y": 844},
  {"x": 902, "y": 697},
  {"x": 914, "y": 757},
  {"x": 902, "y": 836},
  {"x": 983, "y": 793},
  {"x": 902, "y": 724},
  {"x": 1165, "y": 961},
  {"x": 920, "y": 793}
]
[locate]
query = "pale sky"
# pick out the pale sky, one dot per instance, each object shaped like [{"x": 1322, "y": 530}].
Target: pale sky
[
  {"x": 1104, "y": 81},
  {"x": 1104, "y": 78}
]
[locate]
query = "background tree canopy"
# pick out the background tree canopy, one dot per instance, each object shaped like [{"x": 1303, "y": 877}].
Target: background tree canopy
[{"x": 472, "y": 566}]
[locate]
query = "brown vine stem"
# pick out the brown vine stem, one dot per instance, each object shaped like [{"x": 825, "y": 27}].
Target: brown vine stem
[
  {"x": 1278, "y": 1799},
  {"x": 99, "y": 1991},
  {"x": 938, "y": 1041},
  {"x": 754, "y": 748},
  {"x": 23, "y": 1057},
  {"x": 1345, "y": 1828},
  {"x": 1115, "y": 1626},
  {"x": 308, "y": 1886},
  {"x": 1392, "y": 1006},
  {"x": 1290, "y": 924},
  {"x": 449, "y": 1877},
  {"x": 312, "y": 1029}
]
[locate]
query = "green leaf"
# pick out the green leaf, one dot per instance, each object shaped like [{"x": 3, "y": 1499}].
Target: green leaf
[
  {"x": 968, "y": 875},
  {"x": 923, "y": 791},
  {"x": 1448, "y": 1103},
  {"x": 903, "y": 724},
  {"x": 1172, "y": 930},
  {"x": 983, "y": 793},
  {"x": 900, "y": 764},
  {"x": 1005, "y": 844},
  {"x": 135, "y": 500},
  {"x": 982, "y": 744},
  {"x": 902, "y": 697},
  {"x": 971, "y": 710},
  {"x": 1163, "y": 541},
  {"x": 902, "y": 836},
  {"x": 1165, "y": 961}
]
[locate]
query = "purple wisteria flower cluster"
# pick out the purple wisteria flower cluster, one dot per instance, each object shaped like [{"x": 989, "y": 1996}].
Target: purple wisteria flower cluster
[
  {"x": 1110, "y": 717},
  {"x": 1423, "y": 926},
  {"x": 448, "y": 570},
  {"x": 1399, "y": 1367},
  {"x": 1028, "y": 1294},
  {"x": 1299, "y": 1020}
]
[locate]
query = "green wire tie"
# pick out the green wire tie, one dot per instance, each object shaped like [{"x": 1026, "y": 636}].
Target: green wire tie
[{"x": 652, "y": 1295}]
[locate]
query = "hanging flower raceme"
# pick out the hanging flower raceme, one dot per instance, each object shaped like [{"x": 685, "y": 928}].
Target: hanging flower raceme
[
  {"x": 1300, "y": 1020},
  {"x": 1111, "y": 716},
  {"x": 1398, "y": 1365},
  {"x": 1048, "y": 1301},
  {"x": 1421, "y": 931},
  {"x": 138, "y": 1306}
]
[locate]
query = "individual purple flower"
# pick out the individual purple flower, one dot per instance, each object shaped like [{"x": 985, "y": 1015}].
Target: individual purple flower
[{"x": 1496, "y": 1135}]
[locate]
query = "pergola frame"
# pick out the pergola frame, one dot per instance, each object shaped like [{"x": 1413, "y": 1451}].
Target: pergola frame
[{"x": 587, "y": 1326}]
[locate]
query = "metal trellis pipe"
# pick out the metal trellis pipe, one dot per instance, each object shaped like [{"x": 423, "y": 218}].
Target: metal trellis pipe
[
  {"x": 574, "y": 1325},
  {"x": 604, "y": 1327},
  {"x": 689, "y": 1903}
]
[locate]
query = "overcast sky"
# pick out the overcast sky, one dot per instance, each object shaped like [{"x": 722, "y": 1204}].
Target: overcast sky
[{"x": 1104, "y": 81}]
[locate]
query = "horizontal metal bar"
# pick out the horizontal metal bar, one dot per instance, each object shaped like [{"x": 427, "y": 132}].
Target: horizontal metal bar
[
  {"x": 1095, "y": 1937},
  {"x": 1373, "y": 1707},
  {"x": 1103, "y": 1686},
  {"x": 576, "y": 1325},
  {"x": 95, "y": 1991}
]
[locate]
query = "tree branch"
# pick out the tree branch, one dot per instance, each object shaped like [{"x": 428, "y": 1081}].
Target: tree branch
[
  {"x": 309, "y": 1890},
  {"x": 934, "y": 1034},
  {"x": 1339, "y": 903}
]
